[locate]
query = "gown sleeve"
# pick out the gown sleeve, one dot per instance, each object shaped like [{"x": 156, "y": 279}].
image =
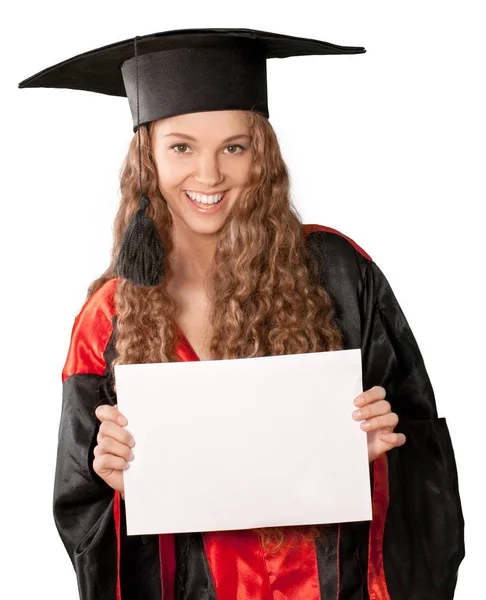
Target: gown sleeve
[
  {"x": 416, "y": 538},
  {"x": 89, "y": 514},
  {"x": 414, "y": 544},
  {"x": 83, "y": 504}
]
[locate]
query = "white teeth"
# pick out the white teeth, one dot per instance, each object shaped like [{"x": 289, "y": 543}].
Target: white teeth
[{"x": 203, "y": 199}]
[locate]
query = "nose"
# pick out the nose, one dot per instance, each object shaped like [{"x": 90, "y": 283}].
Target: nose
[{"x": 208, "y": 172}]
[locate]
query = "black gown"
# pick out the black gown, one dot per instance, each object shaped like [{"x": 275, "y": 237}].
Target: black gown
[{"x": 412, "y": 548}]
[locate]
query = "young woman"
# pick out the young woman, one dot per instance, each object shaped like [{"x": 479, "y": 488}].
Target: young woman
[{"x": 244, "y": 277}]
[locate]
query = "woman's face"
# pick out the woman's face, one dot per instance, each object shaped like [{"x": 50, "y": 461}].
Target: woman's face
[{"x": 204, "y": 153}]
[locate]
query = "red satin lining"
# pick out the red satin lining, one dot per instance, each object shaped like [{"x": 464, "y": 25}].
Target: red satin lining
[
  {"x": 377, "y": 587},
  {"x": 292, "y": 571},
  {"x": 311, "y": 228},
  {"x": 116, "y": 514},
  {"x": 167, "y": 565},
  {"x": 91, "y": 332},
  {"x": 184, "y": 350},
  {"x": 236, "y": 562},
  {"x": 243, "y": 570}
]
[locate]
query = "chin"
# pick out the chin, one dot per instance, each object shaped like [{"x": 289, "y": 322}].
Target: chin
[{"x": 205, "y": 229}]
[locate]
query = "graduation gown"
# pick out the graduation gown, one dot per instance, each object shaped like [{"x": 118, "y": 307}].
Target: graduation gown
[{"x": 410, "y": 550}]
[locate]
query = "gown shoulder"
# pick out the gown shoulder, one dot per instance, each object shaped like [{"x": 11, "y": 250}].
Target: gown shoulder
[
  {"x": 91, "y": 332},
  {"x": 332, "y": 238}
]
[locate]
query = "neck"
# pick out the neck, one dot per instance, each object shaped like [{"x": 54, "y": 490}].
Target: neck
[{"x": 192, "y": 256}]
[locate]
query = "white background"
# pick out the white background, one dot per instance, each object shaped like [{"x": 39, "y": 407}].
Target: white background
[{"x": 388, "y": 147}]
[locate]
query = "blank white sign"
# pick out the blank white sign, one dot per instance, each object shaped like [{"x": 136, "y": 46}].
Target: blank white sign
[{"x": 244, "y": 443}]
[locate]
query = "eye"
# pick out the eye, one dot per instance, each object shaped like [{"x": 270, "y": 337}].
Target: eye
[
  {"x": 174, "y": 146},
  {"x": 236, "y": 146}
]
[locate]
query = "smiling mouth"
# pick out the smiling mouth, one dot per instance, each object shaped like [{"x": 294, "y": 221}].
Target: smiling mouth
[{"x": 207, "y": 204}]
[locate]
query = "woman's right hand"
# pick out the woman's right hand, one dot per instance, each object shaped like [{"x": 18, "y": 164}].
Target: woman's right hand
[{"x": 113, "y": 451}]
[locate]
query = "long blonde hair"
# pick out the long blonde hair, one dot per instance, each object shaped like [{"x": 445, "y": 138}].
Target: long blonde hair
[{"x": 266, "y": 298}]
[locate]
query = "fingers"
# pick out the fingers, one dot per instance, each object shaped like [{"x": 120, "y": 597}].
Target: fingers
[
  {"x": 375, "y": 393},
  {"x": 385, "y": 421},
  {"x": 108, "y": 462},
  {"x": 376, "y": 415},
  {"x": 113, "y": 452},
  {"x": 380, "y": 407},
  {"x": 393, "y": 439},
  {"x": 105, "y": 412},
  {"x": 118, "y": 433},
  {"x": 113, "y": 425},
  {"x": 110, "y": 446}
]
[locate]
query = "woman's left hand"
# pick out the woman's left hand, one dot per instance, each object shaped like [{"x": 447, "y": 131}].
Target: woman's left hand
[{"x": 379, "y": 422}]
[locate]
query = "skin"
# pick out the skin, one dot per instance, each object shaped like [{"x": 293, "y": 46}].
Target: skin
[{"x": 208, "y": 164}]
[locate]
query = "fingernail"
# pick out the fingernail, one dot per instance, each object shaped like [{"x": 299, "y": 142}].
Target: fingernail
[
  {"x": 131, "y": 442},
  {"x": 358, "y": 401},
  {"x": 365, "y": 425},
  {"x": 357, "y": 414},
  {"x": 122, "y": 421},
  {"x": 131, "y": 457},
  {"x": 127, "y": 466}
]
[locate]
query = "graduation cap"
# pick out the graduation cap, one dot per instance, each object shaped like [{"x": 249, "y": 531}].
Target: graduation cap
[{"x": 172, "y": 73}]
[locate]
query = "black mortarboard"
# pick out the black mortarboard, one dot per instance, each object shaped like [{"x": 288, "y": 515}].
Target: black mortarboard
[{"x": 172, "y": 73}]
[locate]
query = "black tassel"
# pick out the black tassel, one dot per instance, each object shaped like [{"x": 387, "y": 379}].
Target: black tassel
[{"x": 142, "y": 254}]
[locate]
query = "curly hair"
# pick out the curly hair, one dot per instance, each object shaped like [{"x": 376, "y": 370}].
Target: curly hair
[{"x": 266, "y": 298}]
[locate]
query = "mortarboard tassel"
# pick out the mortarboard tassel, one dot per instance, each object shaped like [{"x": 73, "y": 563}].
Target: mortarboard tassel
[{"x": 142, "y": 254}]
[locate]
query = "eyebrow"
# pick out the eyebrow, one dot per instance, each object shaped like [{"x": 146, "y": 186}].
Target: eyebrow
[{"x": 193, "y": 139}]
